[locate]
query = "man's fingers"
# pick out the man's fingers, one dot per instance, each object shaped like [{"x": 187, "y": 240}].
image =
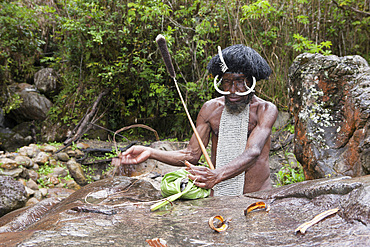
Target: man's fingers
[
  {"x": 128, "y": 151},
  {"x": 201, "y": 185},
  {"x": 197, "y": 178}
]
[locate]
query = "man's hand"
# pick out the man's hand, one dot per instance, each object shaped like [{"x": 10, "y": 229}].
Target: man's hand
[
  {"x": 134, "y": 155},
  {"x": 202, "y": 176}
]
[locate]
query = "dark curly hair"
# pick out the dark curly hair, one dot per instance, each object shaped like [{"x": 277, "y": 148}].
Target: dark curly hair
[{"x": 241, "y": 59}]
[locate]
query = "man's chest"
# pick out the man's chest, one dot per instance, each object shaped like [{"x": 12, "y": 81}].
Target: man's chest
[{"x": 214, "y": 123}]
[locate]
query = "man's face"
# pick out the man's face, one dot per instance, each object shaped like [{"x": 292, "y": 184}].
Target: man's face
[{"x": 235, "y": 82}]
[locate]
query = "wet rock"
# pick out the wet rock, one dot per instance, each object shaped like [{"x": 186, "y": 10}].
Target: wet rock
[
  {"x": 33, "y": 175},
  {"x": 41, "y": 158},
  {"x": 11, "y": 173},
  {"x": 9, "y": 164},
  {"x": 32, "y": 185},
  {"x": 71, "y": 184},
  {"x": 48, "y": 149},
  {"x": 330, "y": 102},
  {"x": 60, "y": 172},
  {"x": 32, "y": 201},
  {"x": 24, "y": 161},
  {"x": 105, "y": 212},
  {"x": 29, "y": 151},
  {"x": 76, "y": 172},
  {"x": 19, "y": 219},
  {"x": 62, "y": 156},
  {"x": 34, "y": 106},
  {"x": 12, "y": 195}
]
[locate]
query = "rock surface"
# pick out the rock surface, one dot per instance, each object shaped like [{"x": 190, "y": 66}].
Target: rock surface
[
  {"x": 330, "y": 101},
  {"x": 12, "y": 195},
  {"x": 46, "y": 81},
  {"x": 116, "y": 213}
]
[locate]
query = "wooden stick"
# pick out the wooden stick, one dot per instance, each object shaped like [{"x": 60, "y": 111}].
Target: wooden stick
[
  {"x": 204, "y": 150},
  {"x": 161, "y": 41}
]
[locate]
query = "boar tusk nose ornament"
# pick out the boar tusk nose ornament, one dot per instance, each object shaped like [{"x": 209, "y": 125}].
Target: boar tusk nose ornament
[
  {"x": 250, "y": 89},
  {"x": 216, "y": 86}
]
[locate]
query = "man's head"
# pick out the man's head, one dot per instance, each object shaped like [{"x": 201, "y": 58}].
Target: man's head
[
  {"x": 236, "y": 83},
  {"x": 239, "y": 67}
]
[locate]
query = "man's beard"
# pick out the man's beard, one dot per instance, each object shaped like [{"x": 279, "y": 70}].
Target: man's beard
[{"x": 238, "y": 107}]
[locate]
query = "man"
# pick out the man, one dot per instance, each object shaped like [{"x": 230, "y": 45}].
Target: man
[{"x": 238, "y": 124}]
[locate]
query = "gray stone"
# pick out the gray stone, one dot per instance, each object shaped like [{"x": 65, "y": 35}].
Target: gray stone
[
  {"x": 282, "y": 119},
  {"x": 46, "y": 81},
  {"x": 33, "y": 175},
  {"x": 48, "y": 148},
  {"x": 24, "y": 161},
  {"x": 34, "y": 106},
  {"x": 330, "y": 101},
  {"x": 62, "y": 156},
  {"x": 32, "y": 185},
  {"x": 29, "y": 151},
  {"x": 12, "y": 173},
  {"x": 116, "y": 212},
  {"x": 12, "y": 195},
  {"x": 43, "y": 191},
  {"x": 32, "y": 201},
  {"x": 41, "y": 158},
  {"x": 60, "y": 172},
  {"x": 9, "y": 164},
  {"x": 76, "y": 172},
  {"x": 29, "y": 191}
]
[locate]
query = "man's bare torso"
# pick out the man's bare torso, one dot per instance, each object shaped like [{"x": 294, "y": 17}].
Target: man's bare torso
[{"x": 257, "y": 177}]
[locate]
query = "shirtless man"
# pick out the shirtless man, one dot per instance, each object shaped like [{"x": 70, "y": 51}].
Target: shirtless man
[{"x": 240, "y": 67}]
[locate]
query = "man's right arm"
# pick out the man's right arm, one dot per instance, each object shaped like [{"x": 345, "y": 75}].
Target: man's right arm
[{"x": 192, "y": 153}]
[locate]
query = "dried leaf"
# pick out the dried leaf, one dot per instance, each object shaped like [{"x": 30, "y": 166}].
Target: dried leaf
[
  {"x": 256, "y": 205},
  {"x": 302, "y": 228},
  {"x": 218, "y": 223},
  {"x": 157, "y": 242}
]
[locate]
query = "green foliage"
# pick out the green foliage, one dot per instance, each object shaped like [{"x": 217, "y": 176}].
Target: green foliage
[
  {"x": 12, "y": 103},
  {"x": 89, "y": 173},
  {"x": 290, "y": 173},
  {"x": 110, "y": 45},
  {"x": 20, "y": 41},
  {"x": 45, "y": 169},
  {"x": 290, "y": 128},
  {"x": 304, "y": 45}
]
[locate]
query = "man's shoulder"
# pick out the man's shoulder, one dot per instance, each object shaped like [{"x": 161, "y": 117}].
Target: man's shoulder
[
  {"x": 264, "y": 103},
  {"x": 212, "y": 108},
  {"x": 265, "y": 107}
]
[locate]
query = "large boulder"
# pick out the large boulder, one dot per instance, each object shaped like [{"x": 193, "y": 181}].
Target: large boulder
[
  {"x": 46, "y": 81},
  {"x": 116, "y": 212},
  {"x": 330, "y": 101},
  {"x": 34, "y": 106},
  {"x": 12, "y": 195}
]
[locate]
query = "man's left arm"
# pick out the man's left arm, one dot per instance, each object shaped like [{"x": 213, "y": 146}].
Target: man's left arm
[{"x": 206, "y": 178}]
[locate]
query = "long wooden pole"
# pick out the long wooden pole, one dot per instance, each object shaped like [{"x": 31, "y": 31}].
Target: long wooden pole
[
  {"x": 161, "y": 41},
  {"x": 204, "y": 150}
]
